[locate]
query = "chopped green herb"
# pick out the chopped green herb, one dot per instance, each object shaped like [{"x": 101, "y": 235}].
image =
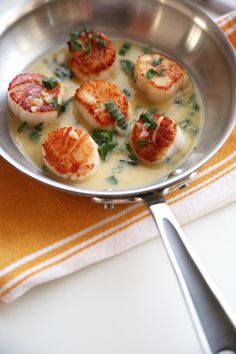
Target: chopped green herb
[
  {"x": 61, "y": 108},
  {"x": 157, "y": 61},
  {"x": 22, "y": 128},
  {"x": 151, "y": 73},
  {"x": 193, "y": 130},
  {"x": 126, "y": 92},
  {"x": 187, "y": 125},
  {"x": 87, "y": 47},
  {"x": 44, "y": 169},
  {"x": 148, "y": 118},
  {"x": 129, "y": 162},
  {"x": 103, "y": 151},
  {"x": 168, "y": 160},
  {"x": 178, "y": 100},
  {"x": 34, "y": 132},
  {"x": 125, "y": 48},
  {"x": 49, "y": 82},
  {"x": 115, "y": 112},
  {"x": 192, "y": 101},
  {"x": 131, "y": 154},
  {"x": 143, "y": 142},
  {"x": 86, "y": 29},
  {"x": 63, "y": 71},
  {"x": 55, "y": 104},
  {"x": 35, "y": 135},
  {"x": 147, "y": 49},
  {"x": 117, "y": 170},
  {"x": 105, "y": 140},
  {"x": 112, "y": 180},
  {"x": 39, "y": 127},
  {"x": 102, "y": 42},
  {"x": 128, "y": 67},
  {"x": 161, "y": 73},
  {"x": 74, "y": 40}
]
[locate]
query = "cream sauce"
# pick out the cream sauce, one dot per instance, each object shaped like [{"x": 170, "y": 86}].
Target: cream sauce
[{"x": 128, "y": 176}]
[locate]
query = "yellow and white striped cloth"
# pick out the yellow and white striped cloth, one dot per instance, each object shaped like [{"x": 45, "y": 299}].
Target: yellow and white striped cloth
[{"x": 46, "y": 234}]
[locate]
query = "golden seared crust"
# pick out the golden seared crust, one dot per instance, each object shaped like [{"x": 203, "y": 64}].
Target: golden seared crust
[
  {"x": 100, "y": 58},
  {"x": 70, "y": 153},
  {"x": 151, "y": 145},
  {"x": 90, "y": 98},
  {"x": 28, "y": 92},
  {"x": 167, "y": 75}
]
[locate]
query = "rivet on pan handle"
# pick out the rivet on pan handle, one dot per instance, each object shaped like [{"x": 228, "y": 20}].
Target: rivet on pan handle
[
  {"x": 212, "y": 317},
  {"x": 110, "y": 203}
]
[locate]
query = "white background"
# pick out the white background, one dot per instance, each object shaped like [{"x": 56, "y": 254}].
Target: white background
[{"x": 129, "y": 304}]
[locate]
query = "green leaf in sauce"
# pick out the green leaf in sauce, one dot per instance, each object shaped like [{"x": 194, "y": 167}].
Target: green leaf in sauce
[
  {"x": 192, "y": 101},
  {"x": 126, "y": 92},
  {"x": 185, "y": 123},
  {"x": 168, "y": 160},
  {"x": 63, "y": 71},
  {"x": 131, "y": 154},
  {"x": 161, "y": 73},
  {"x": 124, "y": 49},
  {"x": 129, "y": 162},
  {"x": 151, "y": 73},
  {"x": 23, "y": 127},
  {"x": 128, "y": 67},
  {"x": 61, "y": 108},
  {"x": 178, "y": 100},
  {"x": 87, "y": 47},
  {"x": 34, "y": 132},
  {"x": 117, "y": 170},
  {"x": 147, "y": 118},
  {"x": 105, "y": 140},
  {"x": 115, "y": 112},
  {"x": 74, "y": 41},
  {"x": 112, "y": 180},
  {"x": 157, "y": 61},
  {"x": 102, "y": 42},
  {"x": 49, "y": 82},
  {"x": 86, "y": 29},
  {"x": 103, "y": 151},
  {"x": 35, "y": 135},
  {"x": 39, "y": 127},
  {"x": 44, "y": 168},
  {"x": 188, "y": 126}
]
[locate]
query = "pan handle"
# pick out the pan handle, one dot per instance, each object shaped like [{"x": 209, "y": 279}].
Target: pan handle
[{"x": 213, "y": 320}]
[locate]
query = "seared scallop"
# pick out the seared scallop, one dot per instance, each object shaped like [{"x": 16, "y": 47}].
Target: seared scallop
[
  {"x": 155, "y": 137},
  {"x": 159, "y": 76},
  {"x": 92, "y": 55},
  {"x": 102, "y": 104},
  {"x": 33, "y": 97},
  {"x": 71, "y": 153}
]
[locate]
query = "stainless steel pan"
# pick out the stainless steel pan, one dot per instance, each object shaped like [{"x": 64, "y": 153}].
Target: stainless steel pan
[{"x": 183, "y": 31}]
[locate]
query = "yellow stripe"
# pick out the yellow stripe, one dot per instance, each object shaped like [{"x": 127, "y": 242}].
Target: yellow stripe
[
  {"x": 89, "y": 235},
  {"x": 69, "y": 256}
]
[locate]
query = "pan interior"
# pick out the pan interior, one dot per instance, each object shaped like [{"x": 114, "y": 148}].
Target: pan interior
[{"x": 173, "y": 27}]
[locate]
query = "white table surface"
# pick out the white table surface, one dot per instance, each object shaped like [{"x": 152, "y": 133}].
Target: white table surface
[{"x": 129, "y": 304}]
